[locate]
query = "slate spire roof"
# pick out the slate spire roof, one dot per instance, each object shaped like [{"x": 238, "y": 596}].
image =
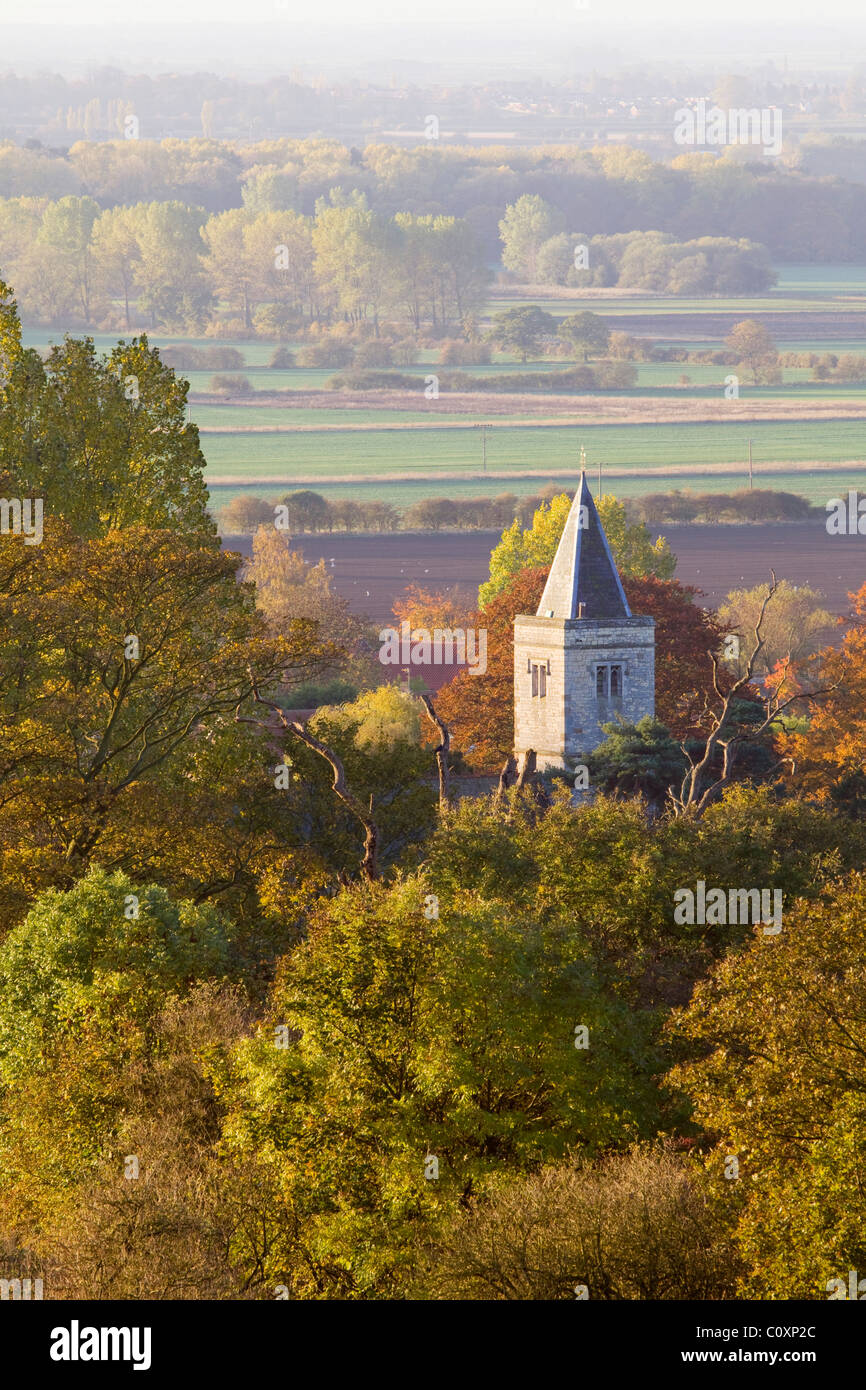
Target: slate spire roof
[{"x": 583, "y": 571}]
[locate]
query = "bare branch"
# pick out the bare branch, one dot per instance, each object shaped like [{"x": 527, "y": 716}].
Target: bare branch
[
  {"x": 443, "y": 750},
  {"x": 369, "y": 866}
]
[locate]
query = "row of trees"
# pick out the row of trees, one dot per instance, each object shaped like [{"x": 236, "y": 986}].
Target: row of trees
[
  {"x": 171, "y": 263},
  {"x": 537, "y": 248},
  {"x": 604, "y": 191},
  {"x": 310, "y": 511}
]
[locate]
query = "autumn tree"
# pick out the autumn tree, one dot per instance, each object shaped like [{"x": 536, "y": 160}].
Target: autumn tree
[
  {"x": 829, "y": 753},
  {"x": 479, "y": 709},
  {"x": 686, "y": 635},
  {"x": 422, "y": 608},
  {"x": 632, "y": 546},
  {"x": 391, "y": 1065},
  {"x": 245, "y": 514},
  {"x": 795, "y": 626},
  {"x": 713, "y": 762},
  {"x": 630, "y": 1226},
  {"x": 288, "y": 590},
  {"x": 776, "y": 1041},
  {"x": 118, "y": 655},
  {"x": 754, "y": 346}
]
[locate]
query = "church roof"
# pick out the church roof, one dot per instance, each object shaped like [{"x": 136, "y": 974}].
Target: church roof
[{"x": 583, "y": 570}]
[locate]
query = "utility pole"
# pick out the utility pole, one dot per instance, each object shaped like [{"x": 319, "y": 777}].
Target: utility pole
[{"x": 750, "y": 465}]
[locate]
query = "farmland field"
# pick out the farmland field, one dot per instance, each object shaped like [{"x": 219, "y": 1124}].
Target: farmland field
[
  {"x": 371, "y": 571},
  {"x": 293, "y": 431}
]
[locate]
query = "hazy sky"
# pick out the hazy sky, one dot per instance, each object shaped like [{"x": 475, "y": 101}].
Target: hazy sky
[
  {"x": 427, "y": 40},
  {"x": 403, "y": 13}
]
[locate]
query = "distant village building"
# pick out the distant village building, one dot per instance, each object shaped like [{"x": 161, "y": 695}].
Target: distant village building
[{"x": 583, "y": 658}]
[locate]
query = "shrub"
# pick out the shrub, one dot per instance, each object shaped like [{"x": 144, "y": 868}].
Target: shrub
[
  {"x": 324, "y": 353},
  {"x": 404, "y": 352},
  {"x": 314, "y": 694},
  {"x": 222, "y": 359},
  {"x": 235, "y": 385},
  {"x": 282, "y": 358},
  {"x": 457, "y": 353},
  {"x": 245, "y": 514},
  {"x": 374, "y": 381},
  {"x": 374, "y": 353},
  {"x": 633, "y": 1226},
  {"x": 615, "y": 376}
]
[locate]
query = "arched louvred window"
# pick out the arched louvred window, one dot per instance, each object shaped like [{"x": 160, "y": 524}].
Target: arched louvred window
[{"x": 608, "y": 682}]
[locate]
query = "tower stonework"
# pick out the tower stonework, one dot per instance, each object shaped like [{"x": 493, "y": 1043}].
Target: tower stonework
[{"x": 583, "y": 659}]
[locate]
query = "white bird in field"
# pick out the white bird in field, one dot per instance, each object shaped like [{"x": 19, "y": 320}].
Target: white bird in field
[{"x": 368, "y": 593}]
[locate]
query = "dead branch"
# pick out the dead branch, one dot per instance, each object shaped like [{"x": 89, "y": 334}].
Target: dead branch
[
  {"x": 369, "y": 866},
  {"x": 694, "y": 797},
  {"x": 442, "y": 750}
]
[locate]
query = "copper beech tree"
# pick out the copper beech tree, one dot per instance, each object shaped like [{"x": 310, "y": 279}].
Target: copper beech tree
[{"x": 479, "y": 709}]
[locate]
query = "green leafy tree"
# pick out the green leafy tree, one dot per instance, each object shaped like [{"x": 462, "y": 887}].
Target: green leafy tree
[
  {"x": 116, "y": 253},
  {"x": 637, "y": 759},
  {"x": 170, "y": 274},
  {"x": 524, "y": 229},
  {"x": 103, "y": 440},
  {"x": 587, "y": 333},
  {"x": 393, "y": 1063},
  {"x": 522, "y": 330},
  {"x": 84, "y": 976}
]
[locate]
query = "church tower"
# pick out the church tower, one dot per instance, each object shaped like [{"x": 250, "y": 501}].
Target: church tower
[{"x": 583, "y": 659}]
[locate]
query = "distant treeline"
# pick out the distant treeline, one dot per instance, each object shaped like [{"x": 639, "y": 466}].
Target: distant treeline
[
  {"x": 276, "y": 273},
  {"x": 310, "y": 512},
  {"x": 241, "y": 273},
  {"x": 538, "y": 249},
  {"x": 601, "y": 192},
  {"x": 603, "y": 376},
  {"x": 748, "y": 504}
]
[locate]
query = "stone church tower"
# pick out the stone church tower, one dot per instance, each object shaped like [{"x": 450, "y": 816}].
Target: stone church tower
[{"x": 583, "y": 659}]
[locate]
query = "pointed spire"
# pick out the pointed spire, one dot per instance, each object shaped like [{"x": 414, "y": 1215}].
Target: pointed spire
[{"x": 583, "y": 580}]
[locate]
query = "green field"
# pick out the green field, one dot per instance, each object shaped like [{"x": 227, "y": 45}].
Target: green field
[
  {"x": 389, "y": 463},
  {"x": 335, "y": 458}
]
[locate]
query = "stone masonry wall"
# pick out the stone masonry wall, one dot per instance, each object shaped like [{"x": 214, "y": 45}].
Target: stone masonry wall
[{"x": 567, "y": 722}]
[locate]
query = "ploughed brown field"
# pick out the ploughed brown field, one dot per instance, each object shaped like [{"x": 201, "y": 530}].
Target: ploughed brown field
[{"x": 371, "y": 571}]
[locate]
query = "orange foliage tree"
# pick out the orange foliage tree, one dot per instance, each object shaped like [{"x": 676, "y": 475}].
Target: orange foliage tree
[
  {"x": 479, "y": 709},
  {"x": 829, "y": 755}
]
